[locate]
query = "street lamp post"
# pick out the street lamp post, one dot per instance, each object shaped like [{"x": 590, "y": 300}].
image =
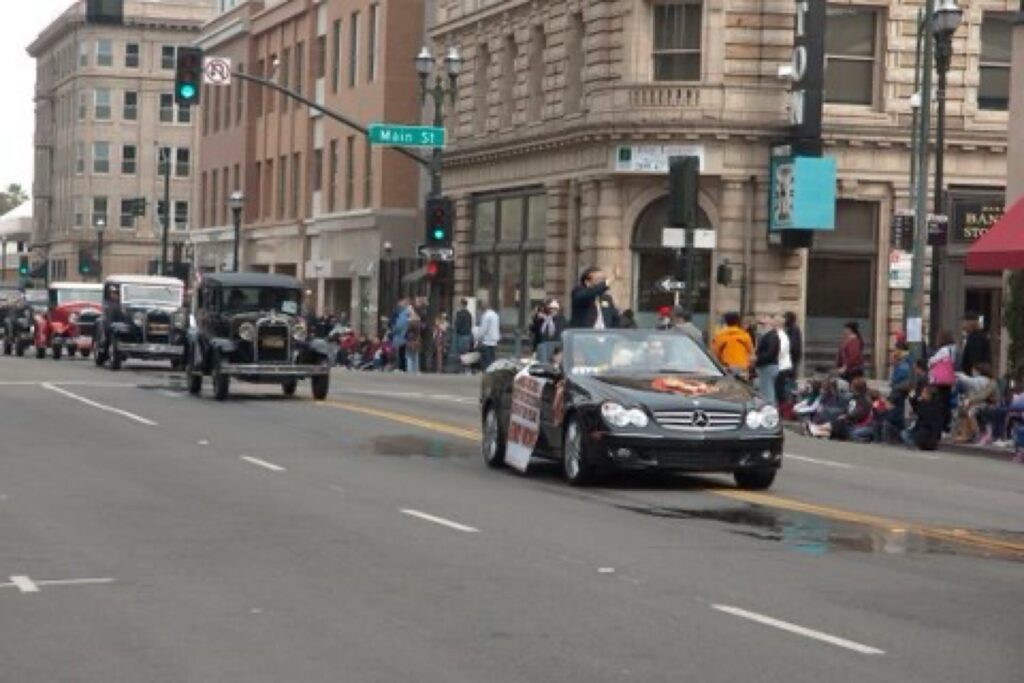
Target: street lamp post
[
  {"x": 945, "y": 20},
  {"x": 100, "y": 225},
  {"x": 425, "y": 65},
  {"x": 3, "y": 260},
  {"x": 236, "y": 201}
]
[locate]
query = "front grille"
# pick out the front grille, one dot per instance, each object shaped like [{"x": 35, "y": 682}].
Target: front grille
[
  {"x": 272, "y": 342},
  {"x": 699, "y": 420},
  {"x": 158, "y": 328}
]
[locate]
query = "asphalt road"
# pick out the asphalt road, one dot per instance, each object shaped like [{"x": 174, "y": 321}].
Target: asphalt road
[{"x": 146, "y": 535}]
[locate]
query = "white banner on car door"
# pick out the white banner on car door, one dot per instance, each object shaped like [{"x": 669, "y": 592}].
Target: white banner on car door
[{"x": 524, "y": 419}]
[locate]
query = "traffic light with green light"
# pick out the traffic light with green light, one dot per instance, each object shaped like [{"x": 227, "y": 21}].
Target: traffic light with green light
[
  {"x": 84, "y": 262},
  {"x": 439, "y": 222},
  {"x": 188, "y": 76},
  {"x": 23, "y": 268}
]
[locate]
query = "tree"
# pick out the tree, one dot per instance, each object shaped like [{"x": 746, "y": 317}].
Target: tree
[{"x": 11, "y": 198}]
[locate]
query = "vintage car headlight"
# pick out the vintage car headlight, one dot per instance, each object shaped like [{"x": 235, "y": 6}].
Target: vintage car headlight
[
  {"x": 180, "y": 319},
  {"x": 617, "y": 416},
  {"x": 247, "y": 331},
  {"x": 139, "y": 319},
  {"x": 299, "y": 331},
  {"x": 767, "y": 417},
  {"x": 73, "y": 318}
]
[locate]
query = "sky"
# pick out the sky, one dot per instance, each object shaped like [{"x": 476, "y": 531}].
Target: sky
[{"x": 17, "y": 120}]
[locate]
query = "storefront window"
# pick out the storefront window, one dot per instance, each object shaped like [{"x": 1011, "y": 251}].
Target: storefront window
[
  {"x": 537, "y": 221},
  {"x": 483, "y": 276},
  {"x": 512, "y": 220},
  {"x": 510, "y": 270},
  {"x": 483, "y": 223}
]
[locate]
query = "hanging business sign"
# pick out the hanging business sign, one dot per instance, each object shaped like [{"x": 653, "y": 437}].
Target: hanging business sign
[
  {"x": 652, "y": 158},
  {"x": 973, "y": 216},
  {"x": 901, "y": 233},
  {"x": 938, "y": 230},
  {"x": 807, "y": 69},
  {"x": 802, "y": 193}
]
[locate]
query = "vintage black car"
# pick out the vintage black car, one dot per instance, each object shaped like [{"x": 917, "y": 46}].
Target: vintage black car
[
  {"x": 629, "y": 399},
  {"x": 12, "y": 299},
  {"x": 21, "y": 312},
  {"x": 142, "y": 318},
  {"x": 248, "y": 326}
]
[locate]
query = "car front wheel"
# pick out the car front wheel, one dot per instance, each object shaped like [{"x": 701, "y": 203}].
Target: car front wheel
[
  {"x": 19, "y": 349},
  {"x": 578, "y": 461},
  {"x": 289, "y": 386},
  {"x": 754, "y": 480},
  {"x": 7, "y": 348},
  {"x": 40, "y": 352},
  {"x": 116, "y": 359},
  {"x": 193, "y": 377},
  {"x": 57, "y": 351},
  {"x": 221, "y": 382},
  {"x": 321, "y": 385},
  {"x": 493, "y": 443}
]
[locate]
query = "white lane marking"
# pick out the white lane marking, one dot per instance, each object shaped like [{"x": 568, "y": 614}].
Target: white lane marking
[
  {"x": 336, "y": 489},
  {"x": 800, "y": 630},
  {"x": 24, "y": 584},
  {"x": 606, "y": 570},
  {"x": 407, "y": 394},
  {"x": 263, "y": 463},
  {"x": 440, "y": 520},
  {"x": 100, "y": 406},
  {"x": 68, "y": 383},
  {"x": 75, "y": 582},
  {"x": 815, "y": 461}
]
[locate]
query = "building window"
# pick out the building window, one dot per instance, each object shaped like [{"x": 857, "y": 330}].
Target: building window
[
  {"x": 128, "y": 159},
  {"x": 353, "y": 49},
  {"x": 102, "y": 104},
  {"x": 320, "y": 57},
  {"x": 163, "y": 163},
  {"x": 184, "y": 114},
  {"x": 350, "y": 163},
  {"x": 131, "y": 105},
  {"x": 332, "y": 177},
  {"x": 481, "y": 83},
  {"x": 180, "y": 215},
  {"x": 508, "y": 253},
  {"x": 101, "y": 157},
  {"x": 79, "y": 215},
  {"x": 99, "y": 211},
  {"x": 336, "y": 52},
  {"x": 996, "y": 48},
  {"x": 286, "y": 75},
  {"x": 282, "y": 184},
  {"x": 537, "y": 44},
  {"x": 258, "y": 100},
  {"x": 83, "y": 105},
  {"x": 83, "y": 54},
  {"x": 79, "y": 158},
  {"x": 269, "y": 106},
  {"x": 168, "y": 57},
  {"x": 317, "y": 181},
  {"x": 104, "y": 52},
  {"x": 851, "y": 45},
  {"x": 575, "y": 56},
  {"x": 371, "y": 56},
  {"x": 131, "y": 55},
  {"x": 239, "y": 96},
  {"x": 508, "y": 81},
  {"x": 300, "y": 66},
  {"x": 216, "y": 201},
  {"x": 296, "y": 184},
  {"x": 227, "y": 106},
  {"x": 127, "y": 214},
  {"x": 161, "y": 214},
  {"x": 367, "y": 174},
  {"x": 267, "y": 191},
  {"x": 204, "y": 198},
  {"x": 237, "y": 185},
  {"x": 677, "y": 40},
  {"x": 182, "y": 162},
  {"x": 166, "y": 108}
]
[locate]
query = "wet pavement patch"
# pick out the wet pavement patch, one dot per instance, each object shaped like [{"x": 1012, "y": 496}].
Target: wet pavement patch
[
  {"x": 431, "y": 447},
  {"x": 814, "y": 535}
]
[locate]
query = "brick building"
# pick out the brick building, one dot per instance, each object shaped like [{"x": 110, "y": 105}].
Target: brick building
[
  {"x": 105, "y": 113},
  {"x": 321, "y": 204},
  {"x": 568, "y": 111}
]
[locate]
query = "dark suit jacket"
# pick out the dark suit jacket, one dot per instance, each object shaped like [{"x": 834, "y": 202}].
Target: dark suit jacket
[{"x": 584, "y": 312}]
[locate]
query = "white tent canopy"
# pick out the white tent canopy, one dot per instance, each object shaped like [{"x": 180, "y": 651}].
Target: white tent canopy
[{"x": 16, "y": 224}]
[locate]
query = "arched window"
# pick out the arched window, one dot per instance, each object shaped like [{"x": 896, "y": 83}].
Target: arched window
[{"x": 652, "y": 262}]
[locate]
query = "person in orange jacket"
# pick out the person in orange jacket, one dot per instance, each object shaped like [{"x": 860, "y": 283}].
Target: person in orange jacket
[{"x": 733, "y": 346}]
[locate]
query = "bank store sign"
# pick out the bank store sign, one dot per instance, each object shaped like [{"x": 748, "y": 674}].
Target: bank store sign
[{"x": 802, "y": 193}]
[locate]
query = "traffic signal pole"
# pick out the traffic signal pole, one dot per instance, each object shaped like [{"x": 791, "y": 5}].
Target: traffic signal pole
[{"x": 167, "y": 210}]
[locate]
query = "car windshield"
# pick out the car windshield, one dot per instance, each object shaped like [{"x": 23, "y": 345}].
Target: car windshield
[
  {"x": 38, "y": 299},
  {"x": 64, "y": 295},
  {"x": 164, "y": 295},
  {"x": 251, "y": 299},
  {"x": 637, "y": 352}
]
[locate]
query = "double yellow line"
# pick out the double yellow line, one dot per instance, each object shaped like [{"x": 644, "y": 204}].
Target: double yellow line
[{"x": 958, "y": 536}]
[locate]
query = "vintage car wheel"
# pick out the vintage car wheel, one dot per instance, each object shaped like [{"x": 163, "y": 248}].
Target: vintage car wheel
[
  {"x": 85, "y": 353},
  {"x": 116, "y": 359},
  {"x": 493, "y": 443},
  {"x": 321, "y": 385},
  {"x": 289, "y": 386},
  {"x": 754, "y": 480},
  {"x": 221, "y": 382},
  {"x": 7, "y": 348},
  {"x": 19, "y": 349},
  {"x": 57, "y": 350},
  {"x": 71, "y": 351},
  {"x": 40, "y": 352},
  {"x": 100, "y": 357},
  {"x": 193, "y": 377},
  {"x": 577, "y": 461}
]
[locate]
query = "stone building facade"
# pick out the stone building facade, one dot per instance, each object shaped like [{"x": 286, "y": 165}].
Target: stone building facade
[
  {"x": 321, "y": 203},
  {"x": 568, "y": 111},
  {"x": 104, "y": 115}
]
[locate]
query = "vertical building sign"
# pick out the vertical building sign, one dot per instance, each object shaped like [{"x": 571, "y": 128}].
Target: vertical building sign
[{"x": 808, "y": 74}]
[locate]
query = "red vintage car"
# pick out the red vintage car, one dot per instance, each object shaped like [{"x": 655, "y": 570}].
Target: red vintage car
[{"x": 68, "y": 323}]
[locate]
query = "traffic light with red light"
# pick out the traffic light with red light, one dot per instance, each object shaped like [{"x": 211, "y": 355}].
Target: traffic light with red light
[
  {"x": 439, "y": 222},
  {"x": 431, "y": 269},
  {"x": 188, "y": 76}
]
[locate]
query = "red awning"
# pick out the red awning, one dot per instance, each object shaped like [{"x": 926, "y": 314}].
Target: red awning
[{"x": 1002, "y": 247}]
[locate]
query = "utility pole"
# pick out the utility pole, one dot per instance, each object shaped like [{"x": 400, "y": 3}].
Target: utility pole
[{"x": 165, "y": 152}]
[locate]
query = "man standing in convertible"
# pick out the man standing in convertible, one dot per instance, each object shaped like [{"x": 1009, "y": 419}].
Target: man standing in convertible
[{"x": 592, "y": 306}]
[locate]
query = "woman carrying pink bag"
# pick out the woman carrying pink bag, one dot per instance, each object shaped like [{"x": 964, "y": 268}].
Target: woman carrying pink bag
[{"x": 942, "y": 374}]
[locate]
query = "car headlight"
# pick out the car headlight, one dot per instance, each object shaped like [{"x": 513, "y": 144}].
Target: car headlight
[
  {"x": 766, "y": 417},
  {"x": 247, "y": 331},
  {"x": 73, "y": 318},
  {"x": 299, "y": 331},
  {"x": 139, "y": 319},
  {"x": 617, "y": 416},
  {"x": 180, "y": 319}
]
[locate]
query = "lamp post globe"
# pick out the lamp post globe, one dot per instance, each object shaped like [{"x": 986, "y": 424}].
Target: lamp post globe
[
  {"x": 424, "y": 62},
  {"x": 947, "y": 18},
  {"x": 453, "y": 62}
]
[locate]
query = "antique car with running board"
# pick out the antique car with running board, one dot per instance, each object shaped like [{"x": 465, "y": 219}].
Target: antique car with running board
[
  {"x": 144, "y": 318},
  {"x": 68, "y": 326},
  {"x": 249, "y": 327},
  {"x": 629, "y": 400}
]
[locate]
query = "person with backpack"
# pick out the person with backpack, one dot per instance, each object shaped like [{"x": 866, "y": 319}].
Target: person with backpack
[{"x": 733, "y": 346}]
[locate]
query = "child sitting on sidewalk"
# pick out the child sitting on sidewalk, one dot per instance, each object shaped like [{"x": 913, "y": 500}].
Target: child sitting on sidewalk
[{"x": 926, "y": 431}]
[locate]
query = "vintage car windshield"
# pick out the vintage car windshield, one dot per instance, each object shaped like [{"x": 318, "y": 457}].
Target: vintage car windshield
[
  {"x": 161, "y": 295},
  {"x": 254, "y": 299},
  {"x": 74, "y": 294},
  {"x": 37, "y": 299},
  {"x": 637, "y": 353}
]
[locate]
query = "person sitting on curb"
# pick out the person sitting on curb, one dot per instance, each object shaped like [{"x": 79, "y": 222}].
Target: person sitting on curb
[{"x": 930, "y": 416}]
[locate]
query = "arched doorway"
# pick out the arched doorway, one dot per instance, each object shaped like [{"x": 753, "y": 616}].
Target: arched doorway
[{"x": 652, "y": 262}]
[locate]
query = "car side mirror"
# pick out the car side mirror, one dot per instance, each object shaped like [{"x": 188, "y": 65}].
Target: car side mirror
[{"x": 544, "y": 371}]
